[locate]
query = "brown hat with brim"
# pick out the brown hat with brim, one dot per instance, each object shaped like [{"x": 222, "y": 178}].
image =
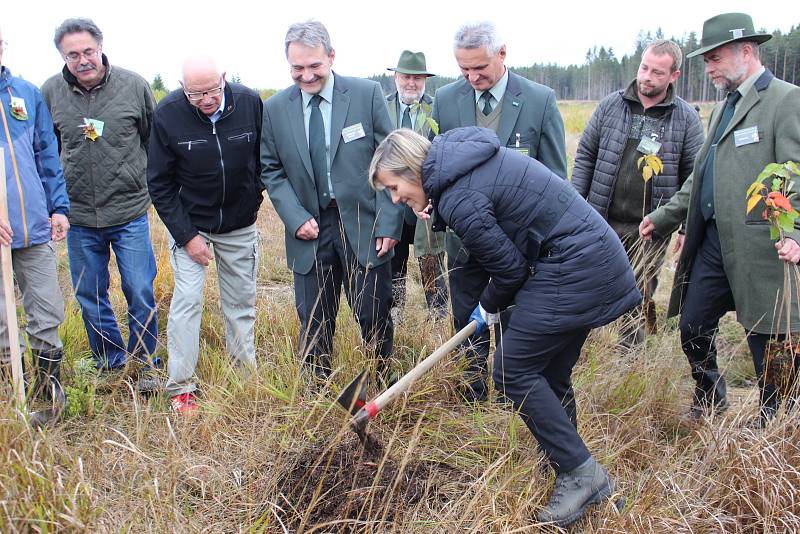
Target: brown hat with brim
[
  {"x": 728, "y": 28},
  {"x": 411, "y": 63}
]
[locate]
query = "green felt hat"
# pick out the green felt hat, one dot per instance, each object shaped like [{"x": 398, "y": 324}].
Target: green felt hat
[
  {"x": 411, "y": 63},
  {"x": 728, "y": 28}
]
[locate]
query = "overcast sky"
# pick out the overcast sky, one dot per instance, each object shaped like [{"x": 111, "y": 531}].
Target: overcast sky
[{"x": 247, "y": 37}]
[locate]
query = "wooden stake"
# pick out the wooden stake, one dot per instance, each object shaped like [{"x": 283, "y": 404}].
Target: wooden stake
[{"x": 10, "y": 311}]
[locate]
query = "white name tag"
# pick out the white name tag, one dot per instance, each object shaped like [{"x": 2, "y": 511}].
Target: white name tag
[
  {"x": 648, "y": 146},
  {"x": 746, "y": 136},
  {"x": 351, "y": 133}
]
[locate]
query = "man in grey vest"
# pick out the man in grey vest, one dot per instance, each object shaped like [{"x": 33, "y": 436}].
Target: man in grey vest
[
  {"x": 524, "y": 116},
  {"x": 102, "y": 115},
  {"x": 409, "y": 107}
]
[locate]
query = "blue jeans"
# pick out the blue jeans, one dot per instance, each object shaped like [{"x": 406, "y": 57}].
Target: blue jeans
[{"x": 89, "y": 254}]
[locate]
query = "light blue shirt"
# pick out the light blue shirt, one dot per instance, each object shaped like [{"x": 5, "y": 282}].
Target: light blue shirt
[
  {"x": 402, "y": 110},
  {"x": 325, "y": 107},
  {"x": 217, "y": 114},
  {"x": 497, "y": 91}
]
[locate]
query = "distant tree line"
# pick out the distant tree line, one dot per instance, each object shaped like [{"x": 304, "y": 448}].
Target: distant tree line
[{"x": 604, "y": 72}]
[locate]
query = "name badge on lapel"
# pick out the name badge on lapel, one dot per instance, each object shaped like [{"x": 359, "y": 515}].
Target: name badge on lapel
[
  {"x": 351, "y": 133},
  {"x": 746, "y": 136},
  {"x": 523, "y": 149}
]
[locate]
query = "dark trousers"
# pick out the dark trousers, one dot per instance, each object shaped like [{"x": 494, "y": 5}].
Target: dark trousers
[
  {"x": 400, "y": 265},
  {"x": 467, "y": 281},
  {"x": 647, "y": 259},
  {"x": 431, "y": 269},
  {"x": 317, "y": 293},
  {"x": 534, "y": 371},
  {"x": 708, "y": 297}
]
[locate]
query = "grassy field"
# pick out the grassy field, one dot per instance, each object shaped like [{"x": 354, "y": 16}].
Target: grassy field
[{"x": 268, "y": 453}]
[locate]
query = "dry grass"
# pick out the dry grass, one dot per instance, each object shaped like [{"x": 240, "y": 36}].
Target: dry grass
[{"x": 270, "y": 454}]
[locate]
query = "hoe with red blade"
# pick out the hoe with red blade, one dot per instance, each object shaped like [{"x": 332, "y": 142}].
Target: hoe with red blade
[{"x": 353, "y": 398}]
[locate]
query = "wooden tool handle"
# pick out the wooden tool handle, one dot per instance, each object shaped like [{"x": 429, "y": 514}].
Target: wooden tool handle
[
  {"x": 10, "y": 311},
  {"x": 420, "y": 369}
]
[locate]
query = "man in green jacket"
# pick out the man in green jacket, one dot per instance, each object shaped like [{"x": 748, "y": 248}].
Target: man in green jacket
[
  {"x": 102, "y": 117},
  {"x": 317, "y": 140},
  {"x": 728, "y": 261},
  {"x": 409, "y": 107}
]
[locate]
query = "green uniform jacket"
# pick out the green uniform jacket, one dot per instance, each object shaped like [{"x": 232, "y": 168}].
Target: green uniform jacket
[
  {"x": 751, "y": 262},
  {"x": 426, "y": 241},
  {"x": 106, "y": 180},
  {"x": 529, "y": 109},
  {"x": 288, "y": 176}
]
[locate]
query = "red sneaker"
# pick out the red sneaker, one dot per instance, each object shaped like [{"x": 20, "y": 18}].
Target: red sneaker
[{"x": 184, "y": 404}]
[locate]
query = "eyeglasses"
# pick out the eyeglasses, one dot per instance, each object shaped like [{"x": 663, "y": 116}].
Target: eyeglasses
[
  {"x": 200, "y": 95},
  {"x": 74, "y": 57}
]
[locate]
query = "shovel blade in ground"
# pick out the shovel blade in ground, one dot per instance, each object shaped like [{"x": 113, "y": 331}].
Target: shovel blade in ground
[{"x": 354, "y": 397}]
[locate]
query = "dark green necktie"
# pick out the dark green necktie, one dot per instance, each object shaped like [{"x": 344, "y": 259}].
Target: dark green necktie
[
  {"x": 316, "y": 148},
  {"x": 707, "y": 186},
  {"x": 406, "y": 123},
  {"x": 487, "y": 102}
]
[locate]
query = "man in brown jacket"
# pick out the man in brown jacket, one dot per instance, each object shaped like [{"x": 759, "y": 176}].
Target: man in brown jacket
[{"x": 728, "y": 261}]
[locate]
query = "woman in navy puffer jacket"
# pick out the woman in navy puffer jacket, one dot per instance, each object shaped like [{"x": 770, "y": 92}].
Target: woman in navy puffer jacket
[{"x": 549, "y": 254}]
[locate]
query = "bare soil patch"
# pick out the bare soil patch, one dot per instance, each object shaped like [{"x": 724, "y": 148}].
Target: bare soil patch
[{"x": 337, "y": 489}]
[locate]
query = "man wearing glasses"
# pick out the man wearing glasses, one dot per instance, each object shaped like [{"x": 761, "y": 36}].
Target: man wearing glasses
[
  {"x": 204, "y": 178},
  {"x": 102, "y": 119}
]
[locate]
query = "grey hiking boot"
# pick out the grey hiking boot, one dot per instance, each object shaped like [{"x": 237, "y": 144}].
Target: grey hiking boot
[{"x": 587, "y": 484}]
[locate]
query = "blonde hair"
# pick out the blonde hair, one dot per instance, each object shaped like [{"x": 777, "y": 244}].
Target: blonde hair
[{"x": 402, "y": 153}]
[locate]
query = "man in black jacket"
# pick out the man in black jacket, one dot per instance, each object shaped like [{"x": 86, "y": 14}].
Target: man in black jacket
[
  {"x": 646, "y": 118},
  {"x": 203, "y": 174}
]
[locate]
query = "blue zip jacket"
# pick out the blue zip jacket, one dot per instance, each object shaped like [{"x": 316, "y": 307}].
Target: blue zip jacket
[{"x": 34, "y": 180}]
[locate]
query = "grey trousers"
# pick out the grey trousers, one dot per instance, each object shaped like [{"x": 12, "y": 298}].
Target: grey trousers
[
  {"x": 35, "y": 275},
  {"x": 236, "y": 256}
]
